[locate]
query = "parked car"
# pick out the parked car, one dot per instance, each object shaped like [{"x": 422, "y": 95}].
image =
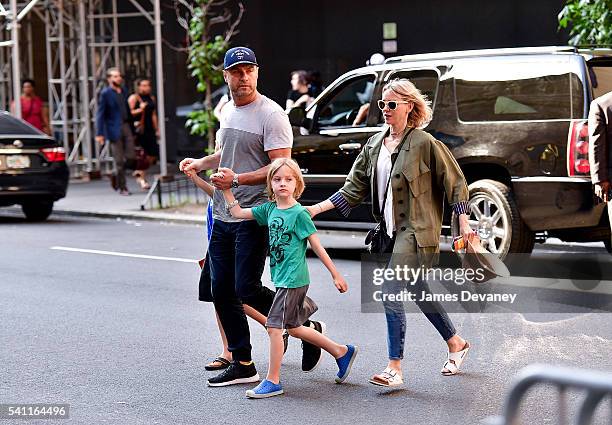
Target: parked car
[
  {"x": 33, "y": 171},
  {"x": 515, "y": 120}
]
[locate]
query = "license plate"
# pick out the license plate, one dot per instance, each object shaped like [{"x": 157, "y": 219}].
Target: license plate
[{"x": 17, "y": 161}]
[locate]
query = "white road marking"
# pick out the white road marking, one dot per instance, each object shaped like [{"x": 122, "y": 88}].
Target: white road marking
[{"x": 123, "y": 254}]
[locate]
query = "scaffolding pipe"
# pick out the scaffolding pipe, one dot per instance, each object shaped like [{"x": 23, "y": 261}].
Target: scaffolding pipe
[
  {"x": 116, "y": 35},
  {"x": 26, "y": 9},
  {"x": 159, "y": 76},
  {"x": 16, "y": 63},
  {"x": 63, "y": 86},
  {"x": 84, "y": 77}
]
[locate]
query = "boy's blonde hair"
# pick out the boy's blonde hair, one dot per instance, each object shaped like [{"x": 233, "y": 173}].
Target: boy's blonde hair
[{"x": 297, "y": 173}]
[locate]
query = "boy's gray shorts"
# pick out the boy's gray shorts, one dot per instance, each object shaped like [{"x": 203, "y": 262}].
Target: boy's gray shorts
[{"x": 290, "y": 308}]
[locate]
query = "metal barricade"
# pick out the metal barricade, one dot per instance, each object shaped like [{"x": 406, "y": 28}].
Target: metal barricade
[
  {"x": 596, "y": 386},
  {"x": 174, "y": 192}
]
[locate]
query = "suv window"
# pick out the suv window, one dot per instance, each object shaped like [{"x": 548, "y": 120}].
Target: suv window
[
  {"x": 601, "y": 78},
  {"x": 426, "y": 80},
  {"x": 343, "y": 104},
  {"x": 524, "y": 94}
]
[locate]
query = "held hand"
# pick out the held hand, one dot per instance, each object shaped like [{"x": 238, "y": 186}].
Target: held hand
[
  {"x": 601, "y": 190},
  {"x": 223, "y": 178},
  {"x": 464, "y": 228},
  {"x": 340, "y": 284},
  {"x": 100, "y": 139},
  {"x": 143, "y": 105},
  {"x": 189, "y": 166}
]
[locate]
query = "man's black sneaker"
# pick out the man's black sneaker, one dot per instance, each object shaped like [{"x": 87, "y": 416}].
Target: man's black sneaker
[
  {"x": 311, "y": 354},
  {"x": 285, "y": 341},
  {"x": 236, "y": 373}
]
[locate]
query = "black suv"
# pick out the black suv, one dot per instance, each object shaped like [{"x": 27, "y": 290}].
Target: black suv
[{"x": 515, "y": 120}]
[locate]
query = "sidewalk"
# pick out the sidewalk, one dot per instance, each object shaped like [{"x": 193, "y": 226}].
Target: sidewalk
[{"x": 97, "y": 199}]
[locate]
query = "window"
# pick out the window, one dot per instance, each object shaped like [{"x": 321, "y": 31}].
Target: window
[
  {"x": 601, "y": 78},
  {"x": 516, "y": 92},
  {"x": 343, "y": 105}
]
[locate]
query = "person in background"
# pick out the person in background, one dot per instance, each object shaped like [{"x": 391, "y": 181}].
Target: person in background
[
  {"x": 315, "y": 83},
  {"x": 113, "y": 124},
  {"x": 366, "y": 96},
  {"x": 143, "y": 108},
  {"x": 33, "y": 109},
  {"x": 298, "y": 96}
]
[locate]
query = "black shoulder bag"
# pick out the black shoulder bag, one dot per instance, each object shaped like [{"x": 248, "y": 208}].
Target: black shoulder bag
[{"x": 377, "y": 239}]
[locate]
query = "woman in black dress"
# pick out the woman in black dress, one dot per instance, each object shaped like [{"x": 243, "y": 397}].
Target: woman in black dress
[{"x": 144, "y": 113}]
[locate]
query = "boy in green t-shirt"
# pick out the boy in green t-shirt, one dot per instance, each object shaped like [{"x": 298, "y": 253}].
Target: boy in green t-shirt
[{"x": 290, "y": 226}]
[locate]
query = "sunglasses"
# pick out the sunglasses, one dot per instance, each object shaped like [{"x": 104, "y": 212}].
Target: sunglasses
[{"x": 392, "y": 104}]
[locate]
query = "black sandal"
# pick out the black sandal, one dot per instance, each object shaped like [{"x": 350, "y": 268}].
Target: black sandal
[{"x": 218, "y": 364}]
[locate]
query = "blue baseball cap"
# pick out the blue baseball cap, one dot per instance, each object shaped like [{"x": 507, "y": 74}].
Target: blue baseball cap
[{"x": 239, "y": 55}]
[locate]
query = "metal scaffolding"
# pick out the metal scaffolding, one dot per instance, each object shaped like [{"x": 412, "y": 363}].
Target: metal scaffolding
[{"x": 83, "y": 38}]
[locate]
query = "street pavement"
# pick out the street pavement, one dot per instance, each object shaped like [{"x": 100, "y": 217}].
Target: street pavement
[{"x": 117, "y": 332}]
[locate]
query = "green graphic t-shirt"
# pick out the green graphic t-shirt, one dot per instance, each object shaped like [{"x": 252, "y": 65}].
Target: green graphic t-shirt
[{"x": 288, "y": 230}]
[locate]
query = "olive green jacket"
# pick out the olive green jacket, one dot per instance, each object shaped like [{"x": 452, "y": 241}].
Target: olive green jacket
[{"x": 423, "y": 171}]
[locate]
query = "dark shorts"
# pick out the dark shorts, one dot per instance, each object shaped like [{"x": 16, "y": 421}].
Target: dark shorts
[
  {"x": 290, "y": 308},
  {"x": 205, "y": 287}
]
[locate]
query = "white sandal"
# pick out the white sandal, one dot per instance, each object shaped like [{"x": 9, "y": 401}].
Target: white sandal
[
  {"x": 455, "y": 360},
  {"x": 389, "y": 378}
]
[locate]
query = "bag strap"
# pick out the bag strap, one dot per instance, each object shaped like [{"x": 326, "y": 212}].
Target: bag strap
[{"x": 393, "y": 160}]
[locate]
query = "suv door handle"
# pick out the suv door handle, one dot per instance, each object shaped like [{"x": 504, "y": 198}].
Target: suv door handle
[{"x": 352, "y": 146}]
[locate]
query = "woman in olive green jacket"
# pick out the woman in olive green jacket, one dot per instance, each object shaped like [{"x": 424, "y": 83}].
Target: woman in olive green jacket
[{"x": 415, "y": 171}]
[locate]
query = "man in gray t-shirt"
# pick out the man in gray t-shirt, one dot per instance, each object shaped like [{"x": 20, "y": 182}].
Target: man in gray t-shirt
[{"x": 254, "y": 131}]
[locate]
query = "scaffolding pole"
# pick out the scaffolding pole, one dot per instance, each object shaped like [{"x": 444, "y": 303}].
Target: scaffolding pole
[
  {"x": 83, "y": 40},
  {"x": 16, "y": 62}
]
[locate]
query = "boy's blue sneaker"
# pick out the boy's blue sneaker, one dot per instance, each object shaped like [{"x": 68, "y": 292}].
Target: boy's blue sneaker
[
  {"x": 345, "y": 363},
  {"x": 265, "y": 389}
]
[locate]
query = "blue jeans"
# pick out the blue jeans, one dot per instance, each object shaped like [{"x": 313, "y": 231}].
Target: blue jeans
[
  {"x": 396, "y": 316},
  {"x": 237, "y": 253}
]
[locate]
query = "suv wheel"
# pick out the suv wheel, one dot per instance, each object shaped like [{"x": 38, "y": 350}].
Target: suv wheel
[
  {"x": 495, "y": 218},
  {"x": 37, "y": 211}
]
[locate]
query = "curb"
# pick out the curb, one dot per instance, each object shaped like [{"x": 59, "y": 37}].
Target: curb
[{"x": 130, "y": 216}]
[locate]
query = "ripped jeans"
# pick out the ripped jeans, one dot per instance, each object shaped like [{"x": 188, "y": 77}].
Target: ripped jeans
[{"x": 396, "y": 316}]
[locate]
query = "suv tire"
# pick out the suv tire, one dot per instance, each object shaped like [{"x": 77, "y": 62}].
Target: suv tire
[
  {"x": 498, "y": 223},
  {"x": 37, "y": 211}
]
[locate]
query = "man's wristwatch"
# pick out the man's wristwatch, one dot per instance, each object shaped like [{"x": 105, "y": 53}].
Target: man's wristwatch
[{"x": 235, "y": 181}]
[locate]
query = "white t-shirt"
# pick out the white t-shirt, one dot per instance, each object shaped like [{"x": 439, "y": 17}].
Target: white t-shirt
[{"x": 383, "y": 170}]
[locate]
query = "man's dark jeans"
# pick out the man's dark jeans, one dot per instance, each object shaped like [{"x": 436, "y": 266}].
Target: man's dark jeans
[{"x": 237, "y": 256}]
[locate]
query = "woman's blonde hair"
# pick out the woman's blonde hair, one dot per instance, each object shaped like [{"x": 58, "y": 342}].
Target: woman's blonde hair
[
  {"x": 297, "y": 173},
  {"x": 421, "y": 112}
]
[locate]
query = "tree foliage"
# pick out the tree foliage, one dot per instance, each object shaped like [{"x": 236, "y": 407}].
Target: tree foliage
[
  {"x": 210, "y": 26},
  {"x": 590, "y": 22}
]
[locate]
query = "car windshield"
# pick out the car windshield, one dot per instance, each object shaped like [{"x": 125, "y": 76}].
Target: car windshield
[{"x": 11, "y": 125}]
